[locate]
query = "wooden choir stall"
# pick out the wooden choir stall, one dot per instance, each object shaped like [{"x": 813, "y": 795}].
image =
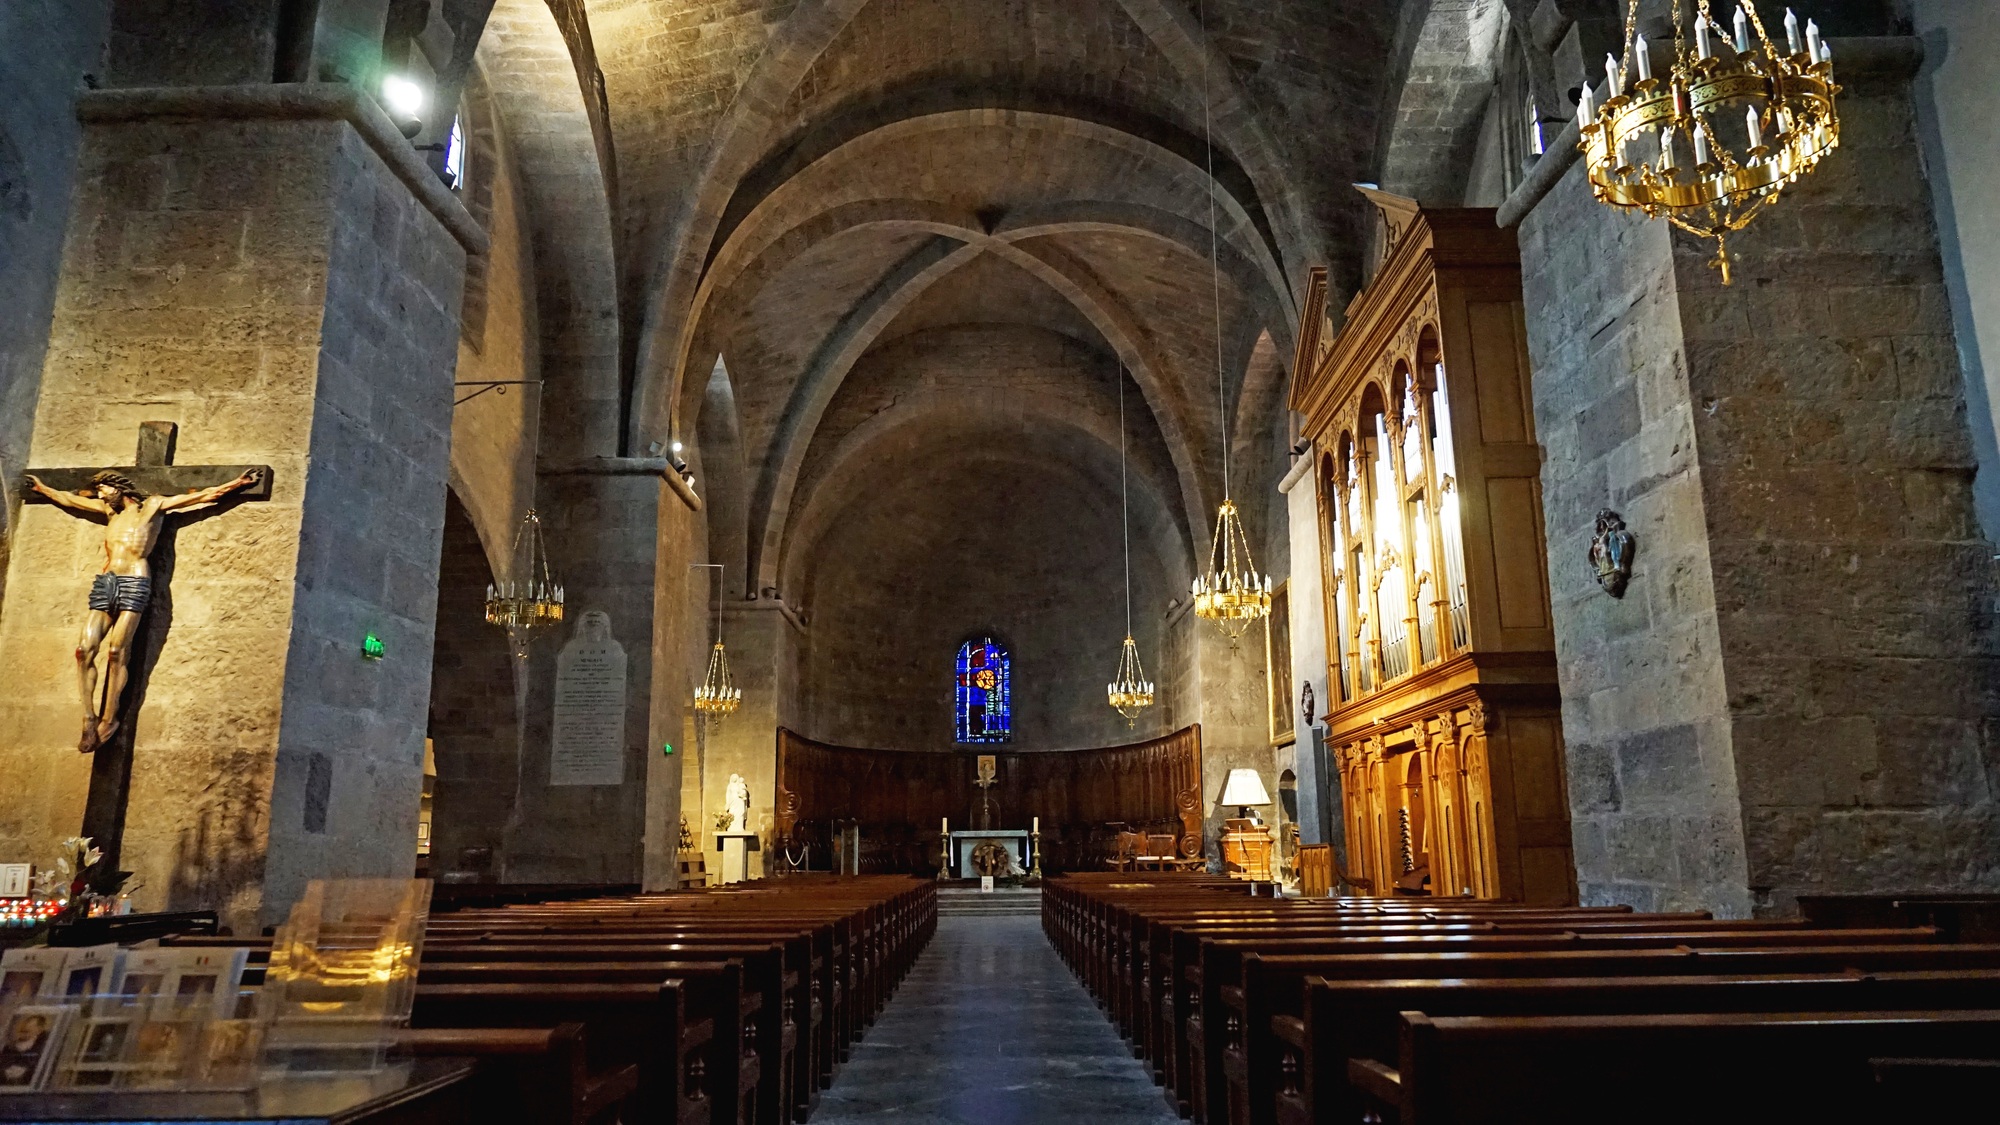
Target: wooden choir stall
[
  {"x": 1444, "y": 716},
  {"x": 889, "y": 804}
]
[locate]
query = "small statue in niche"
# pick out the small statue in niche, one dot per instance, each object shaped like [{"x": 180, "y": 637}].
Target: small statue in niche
[
  {"x": 1611, "y": 551},
  {"x": 1306, "y": 702},
  {"x": 737, "y": 801}
]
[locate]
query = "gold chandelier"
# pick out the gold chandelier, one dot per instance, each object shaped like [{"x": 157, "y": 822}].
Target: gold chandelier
[
  {"x": 1731, "y": 124},
  {"x": 1129, "y": 692},
  {"x": 718, "y": 694},
  {"x": 1232, "y": 594},
  {"x": 529, "y": 598}
]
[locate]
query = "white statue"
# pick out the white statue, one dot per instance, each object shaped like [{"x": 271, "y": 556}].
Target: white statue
[{"x": 738, "y": 803}]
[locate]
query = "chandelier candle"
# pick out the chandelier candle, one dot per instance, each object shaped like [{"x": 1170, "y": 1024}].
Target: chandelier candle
[{"x": 1786, "y": 98}]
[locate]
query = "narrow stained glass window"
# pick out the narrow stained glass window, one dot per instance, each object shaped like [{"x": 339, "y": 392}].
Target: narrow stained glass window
[
  {"x": 454, "y": 156},
  {"x": 985, "y": 692}
]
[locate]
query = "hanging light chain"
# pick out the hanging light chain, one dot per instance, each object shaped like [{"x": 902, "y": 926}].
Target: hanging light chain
[
  {"x": 718, "y": 694},
  {"x": 1231, "y": 593},
  {"x": 1130, "y": 692}
]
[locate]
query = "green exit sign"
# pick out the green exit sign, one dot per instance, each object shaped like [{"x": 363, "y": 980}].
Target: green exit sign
[
  {"x": 667, "y": 749},
  {"x": 371, "y": 647}
]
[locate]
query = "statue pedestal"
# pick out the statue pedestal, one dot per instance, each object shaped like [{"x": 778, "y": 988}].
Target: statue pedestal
[{"x": 735, "y": 848}]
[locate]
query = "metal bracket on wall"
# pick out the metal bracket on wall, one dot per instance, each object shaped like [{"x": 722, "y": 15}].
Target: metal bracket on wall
[{"x": 499, "y": 385}]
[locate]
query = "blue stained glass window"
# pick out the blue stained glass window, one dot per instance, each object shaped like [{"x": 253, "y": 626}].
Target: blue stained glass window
[{"x": 985, "y": 692}]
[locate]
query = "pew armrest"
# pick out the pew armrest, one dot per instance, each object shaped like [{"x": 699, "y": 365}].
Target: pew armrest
[
  {"x": 608, "y": 1089},
  {"x": 1377, "y": 1081},
  {"x": 1290, "y": 1030}
]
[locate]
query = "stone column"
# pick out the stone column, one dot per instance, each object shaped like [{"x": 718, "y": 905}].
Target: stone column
[
  {"x": 1222, "y": 688},
  {"x": 1306, "y": 596},
  {"x": 273, "y": 269},
  {"x": 763, "y": 639},
  {"x": 1799, "y": 692},
  {"x": 605, "y": 522}
]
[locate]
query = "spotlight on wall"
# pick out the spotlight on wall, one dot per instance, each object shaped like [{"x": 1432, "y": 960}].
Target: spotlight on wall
[
  {"x": 404, "y": 100},
  {"x": 678, "y": 447}
]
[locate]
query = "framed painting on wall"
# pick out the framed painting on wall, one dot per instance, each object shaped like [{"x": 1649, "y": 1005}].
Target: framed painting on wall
[{"x": 1278, "y": 664}]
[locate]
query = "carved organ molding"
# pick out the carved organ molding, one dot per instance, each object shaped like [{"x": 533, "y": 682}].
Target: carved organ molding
[{"x": 1444, "y": 713}]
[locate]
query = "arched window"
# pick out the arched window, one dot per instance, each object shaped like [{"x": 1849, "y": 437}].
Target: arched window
[
  {"x": 985, "y": 692},
  {"x": 454, "y": 154}
]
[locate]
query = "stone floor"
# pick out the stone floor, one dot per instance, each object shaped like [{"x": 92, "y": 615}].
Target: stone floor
[{"x": 990, "y": 1028}]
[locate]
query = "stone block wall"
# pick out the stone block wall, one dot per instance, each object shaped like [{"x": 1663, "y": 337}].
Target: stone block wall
[
  {"x": 475, "y": 717},
  {"x": 1855, "y": 592},
  {"x": 763, "y": 643},
  {"x": 1797, "y": 694},
  {"x": 1962, "y": 161},
  {"x": 368, "y": 548},
  {"x": 271, "y": 285},
  {"x": 45, "y": 53},
  {"x": 601, "y": 522},
  {"x": 1652, "y": 773},
  {"x": 493, "y": 435}
]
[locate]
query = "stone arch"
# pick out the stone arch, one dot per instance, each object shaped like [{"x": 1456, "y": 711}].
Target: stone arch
[
  {"x": 1447, "y": 62},
  {"x": 541, "y": 105},
  {"x": 1252, "y": 265},
  {"x": 474, "y": 724},
  {"x": 748, "y": 132},
  {"x": 922, "y": 269},
  {"x": 935, "y": 420},
  {"x": 718, "y": 460}
]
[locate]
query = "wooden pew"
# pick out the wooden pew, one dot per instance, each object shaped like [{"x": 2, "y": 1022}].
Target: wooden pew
[
  {"x": 530, "y": 1074},
  {"x": 1168, "y": 957},
  {"x": 1306, "y": 1075},
  {"x": 1730, "y": 1066},
  {"x": 689, "y": 1061},
  {"x": 725, "y": 1005}
]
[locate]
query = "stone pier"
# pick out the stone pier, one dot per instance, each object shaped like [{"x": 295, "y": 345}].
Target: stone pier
[{"x": 274, "y": 269}]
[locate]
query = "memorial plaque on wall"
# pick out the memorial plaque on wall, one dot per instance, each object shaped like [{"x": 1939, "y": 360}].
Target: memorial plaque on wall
[{"x": 589, "y": 743}]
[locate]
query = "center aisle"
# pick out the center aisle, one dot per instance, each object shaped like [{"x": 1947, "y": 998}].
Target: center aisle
[{"x": 990, "y": 1028}]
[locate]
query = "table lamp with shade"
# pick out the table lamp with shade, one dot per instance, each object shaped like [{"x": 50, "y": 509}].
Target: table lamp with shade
[
  {"x": 1246, "y": 844},
  {"x": 1244, "y": 789}
]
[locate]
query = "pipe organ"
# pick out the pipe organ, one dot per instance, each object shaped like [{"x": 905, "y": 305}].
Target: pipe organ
[{"x": 1444, "y": 717}]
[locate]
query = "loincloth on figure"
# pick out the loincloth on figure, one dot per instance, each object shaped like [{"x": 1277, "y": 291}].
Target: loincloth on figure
[{"x": 120, "y": 593}]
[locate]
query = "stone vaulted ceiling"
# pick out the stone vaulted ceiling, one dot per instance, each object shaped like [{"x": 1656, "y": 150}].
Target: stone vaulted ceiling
[{"x": 817, "y": 201}]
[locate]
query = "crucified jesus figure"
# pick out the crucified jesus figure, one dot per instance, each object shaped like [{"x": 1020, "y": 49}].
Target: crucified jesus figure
[{"x": 121, "y": 591}]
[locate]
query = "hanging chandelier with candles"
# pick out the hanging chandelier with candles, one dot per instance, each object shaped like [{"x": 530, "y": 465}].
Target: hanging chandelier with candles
[
  {"x": 1130, "y": 692},
  {"x": 1230, "y": 593},
  {"x": 1713, "y": 138},
  {"x": 718, "y": 694},
  {"x": 529, "y": 598}
]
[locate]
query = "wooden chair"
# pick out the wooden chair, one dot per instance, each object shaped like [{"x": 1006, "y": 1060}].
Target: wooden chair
[{"x": 1125, "y": 853}]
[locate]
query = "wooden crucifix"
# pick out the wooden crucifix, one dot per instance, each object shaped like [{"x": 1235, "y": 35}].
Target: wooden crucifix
[{"x": 134, "y": 502}]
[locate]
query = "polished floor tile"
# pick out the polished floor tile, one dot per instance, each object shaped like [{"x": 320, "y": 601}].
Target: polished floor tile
[{"x": 990, "y": 1028}]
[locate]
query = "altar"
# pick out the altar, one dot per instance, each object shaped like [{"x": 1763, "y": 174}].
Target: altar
[{"x": 963, "y": 843}]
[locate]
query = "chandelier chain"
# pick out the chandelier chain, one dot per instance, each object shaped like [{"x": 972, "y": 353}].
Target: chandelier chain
[
  {"x": 1231, "y": 593},
  {"x": 1214, "y": 253},
  {"x": 1124, "y": 500}
]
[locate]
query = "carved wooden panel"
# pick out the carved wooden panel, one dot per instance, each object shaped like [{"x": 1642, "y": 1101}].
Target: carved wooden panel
[
  {"x": 1083, "y": 797},
  {"x": 1437, "y": 606}
]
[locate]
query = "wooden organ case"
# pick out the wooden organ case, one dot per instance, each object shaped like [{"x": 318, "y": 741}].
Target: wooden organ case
[{"x": 1444, "y": 717}]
